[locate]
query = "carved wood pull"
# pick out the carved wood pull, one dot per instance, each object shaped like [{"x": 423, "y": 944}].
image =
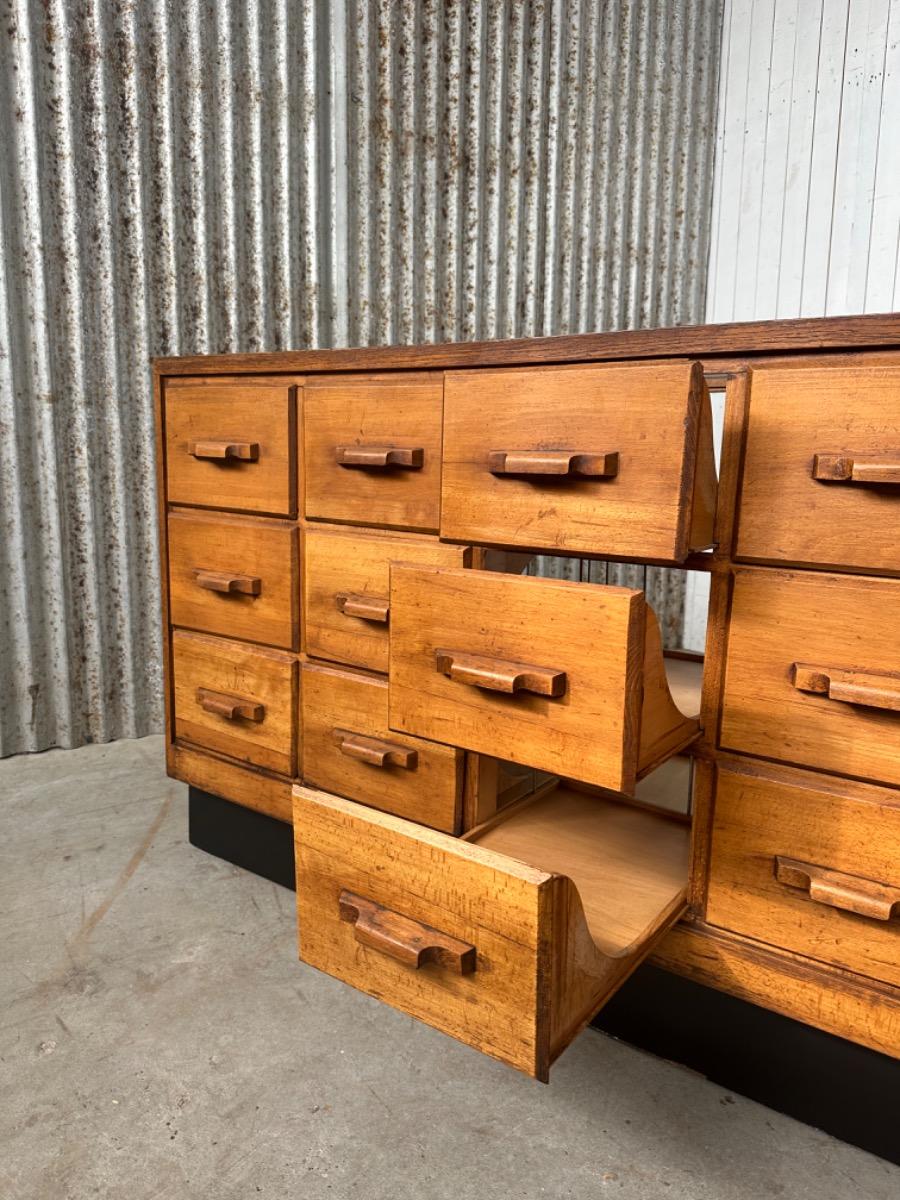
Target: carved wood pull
[
  {"x": 856, "y": 468},
  {"x": 233, "y": 708},
  {"x": 242, "y": 451},
  {"x": 498, "y": 676},
  {"x": 408, "y": 941},
  {"x": 367, "y": 608},
  {"x": 553, "y": 462},
  {"x": 375, "y": 751},
  {"x": 380, "y": 458},
  {"x": 224, "y": 581},
  {"x": 851, "y": 893},
  {"x": 853, "y": 687}
]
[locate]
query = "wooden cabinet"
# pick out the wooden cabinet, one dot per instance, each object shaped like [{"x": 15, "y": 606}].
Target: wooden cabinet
[{"x": 506, "y": 795}]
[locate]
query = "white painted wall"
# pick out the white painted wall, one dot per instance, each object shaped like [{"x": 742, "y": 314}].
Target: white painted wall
[{"x": 806, "y": 198}]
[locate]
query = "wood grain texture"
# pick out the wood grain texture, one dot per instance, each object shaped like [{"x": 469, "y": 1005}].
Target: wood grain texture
[
  {"x": 779, "y": 619},
  {"x": 239, "y": 782},
  {"x": 729, "y": 339},
  {"x": 266, "y": 551},
  {"x": 787, "y": 515},
  {"x": 409, "y": 942},
  {"x": 766, "y": 813},
  {"x": 261, "y": 413},
  {"x": 353, "y": 561},
  {"x": 258, "y": 676},
  {"x": 373, "y": 411},
  {"x": 594, "y": 634},
  {"x": 498, "y": 906},
  {"x": 649, "y": 415},
  {"x": 332, "y": 700},
  {"x": 839, "y": 1002}
]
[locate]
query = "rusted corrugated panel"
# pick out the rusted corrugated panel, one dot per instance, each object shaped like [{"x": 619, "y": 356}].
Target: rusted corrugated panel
[{"x": 182, "y": 178}]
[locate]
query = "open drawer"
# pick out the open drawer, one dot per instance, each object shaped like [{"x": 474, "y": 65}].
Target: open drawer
[
  {"x": 509, "y": 940},
  {"x": 564, "y": 677}
]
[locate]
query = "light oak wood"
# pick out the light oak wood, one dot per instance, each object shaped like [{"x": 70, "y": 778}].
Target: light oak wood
[
  {"x": 644, "y": 419},
  {"x": 793, "y": 512},
  {"x": 220, "y": 688},
  {"x": 241, "y": 783},
  {"x": 235, "y": 576},
  {"x": 850, "y": 687},
  {"x": 347, "y": 580},
  {"x": 232, "y": 446},
  {"x": 409, "y": 942},
  {"x": 781, "y": 621},
  {"x": 809, "y": 864},
  {"x": 538, "y": 973},
  {"x": 605, "y": 715},
  {"x": 349, "y": 749},
  {"x": 357, "y": 431}
]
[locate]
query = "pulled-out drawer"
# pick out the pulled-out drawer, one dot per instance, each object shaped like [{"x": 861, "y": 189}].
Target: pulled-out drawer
[
  {"x": 565, "y": 677},
  {"x": 238, "y": 700},
  {"x": 821, "y": 481},
  {"x": 346, "y": 586},
  {"x": 349, "y": 749},
  {"x": 509, "y": 941},
  {"x": 232, "y": 445},
  {"x": 606, "y": 460},
  {"x": 235, "y": 576},
  {"x": 812, "y": 674},
  {"x": 808, "y": 863}
]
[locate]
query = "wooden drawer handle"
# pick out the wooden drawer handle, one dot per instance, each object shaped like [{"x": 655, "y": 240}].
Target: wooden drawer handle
[
  {"x": 856, "y": 468},
  {"x": 374, "y": 751},
  {"x": 381, "y": 458},
  {"x": 409, "y": 942},
  {"x": 851, "y": 893},
  {"x": 853, "y": 687},
  {"x": 367, "y": 608},
  {"x": 224, "y": 581},
  {"x": 233, "y": 708},
  {"x": 553, "y": 462},
  {"x": 498, "y": 676},
  {"x": 242, "y": 451}
]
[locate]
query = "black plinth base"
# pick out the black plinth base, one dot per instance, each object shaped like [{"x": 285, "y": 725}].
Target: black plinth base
[{"x": 848, "y": 1091}]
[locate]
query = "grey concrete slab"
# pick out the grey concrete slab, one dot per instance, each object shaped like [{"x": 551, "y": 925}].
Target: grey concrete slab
[{"x": 159, "y": 1039}]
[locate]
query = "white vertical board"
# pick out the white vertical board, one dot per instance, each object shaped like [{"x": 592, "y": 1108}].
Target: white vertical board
[{"x": 806, "y": 208}]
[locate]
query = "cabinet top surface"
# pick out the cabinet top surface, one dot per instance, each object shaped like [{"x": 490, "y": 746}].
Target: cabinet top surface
[{"x": 745, "y": 339}]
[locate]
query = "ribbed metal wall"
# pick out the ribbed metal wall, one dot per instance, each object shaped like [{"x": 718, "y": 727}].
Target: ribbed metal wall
[{"x": 190, "y": 177}]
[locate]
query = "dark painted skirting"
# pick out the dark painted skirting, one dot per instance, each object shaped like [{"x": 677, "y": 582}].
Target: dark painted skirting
[{"x": 845, "y": 1089}]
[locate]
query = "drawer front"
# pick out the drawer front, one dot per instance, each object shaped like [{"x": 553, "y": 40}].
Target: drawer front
[
  {"x": 579, "y": 460},
  {"x": 347, "y": 583},
  {"x": 232, "y": 445},
  {"x": 809, "y": 864},
  {"x": 484, "y": 970},
  {"x": 373, "y": 450},
  {"x": 541, "y": 671},
  {"x": 235, "y": 577},
  {"x": 236, "y": 699},
  {"x": 821, "y": 480},
  {"x": 812, "y": 673},
  {"x": 349, "y": 749}
]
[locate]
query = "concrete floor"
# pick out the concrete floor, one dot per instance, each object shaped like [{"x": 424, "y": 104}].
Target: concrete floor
[{"x": 159, "y": 1039}]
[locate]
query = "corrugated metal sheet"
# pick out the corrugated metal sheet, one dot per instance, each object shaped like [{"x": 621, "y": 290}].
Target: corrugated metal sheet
[
  {"x": 185, "y": 177},
  {"x": 807, "y": 199}
]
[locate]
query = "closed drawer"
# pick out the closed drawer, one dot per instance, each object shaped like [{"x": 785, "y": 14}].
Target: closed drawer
[
  {"x": 813, "y": 671},
  {"x": 235, "y": 577},
  {"x": 510, "y": 946},
  {"x": 232, "y": 445},
  {"x": 372, "y": 450},
  {"x": 349, "y": 749},
  {"x": 606, "y": 460},
  {"x": 565, "y": 677},
  {"x": 810, "y": 864},
  {"x": 821, "y": 481},
  {"x": 236, "y": 699},
  {"x": 346, "y": 586}
]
